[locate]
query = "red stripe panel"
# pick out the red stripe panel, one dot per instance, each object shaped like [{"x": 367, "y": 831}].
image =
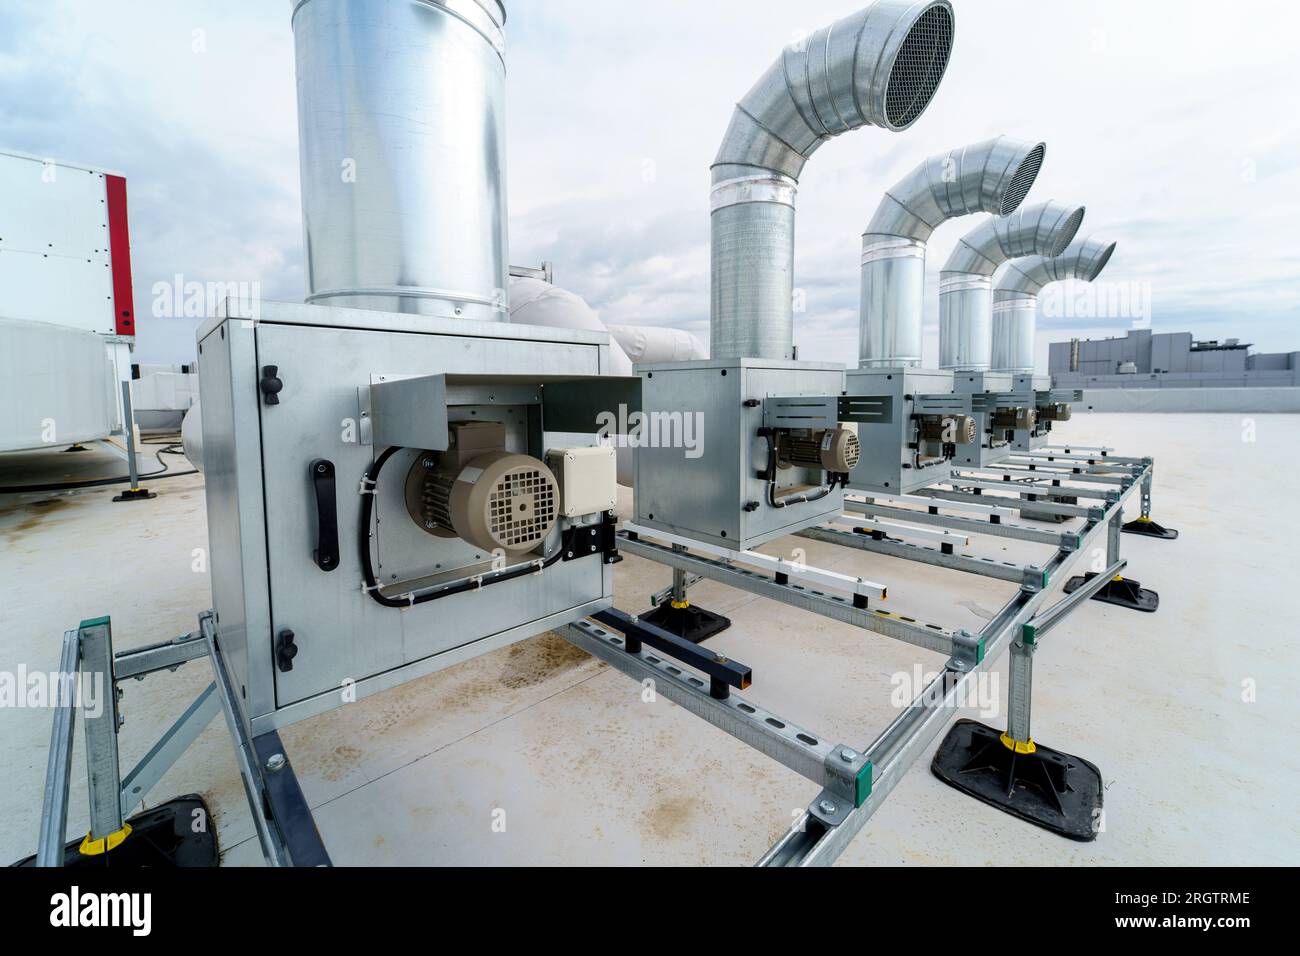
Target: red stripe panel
[{"x": 119, "y": 246}]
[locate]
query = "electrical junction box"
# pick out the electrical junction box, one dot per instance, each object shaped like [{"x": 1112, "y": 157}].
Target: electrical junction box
[
  {"x": 300, "y": 403},
  {"x": 588, "y": 479}
]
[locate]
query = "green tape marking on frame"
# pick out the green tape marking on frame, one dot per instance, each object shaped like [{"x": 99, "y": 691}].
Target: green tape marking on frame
[
  {"x": 862, "y": 785},
  {"x": 95, "y": 622},
  {"x": 1029, "y": 634}
]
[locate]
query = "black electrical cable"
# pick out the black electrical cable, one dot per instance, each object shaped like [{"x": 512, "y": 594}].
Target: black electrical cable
[
  {"x": 367, "y": 565},
  {"x": 770, "y": 435},
  {"x": 163, "y": 472}
]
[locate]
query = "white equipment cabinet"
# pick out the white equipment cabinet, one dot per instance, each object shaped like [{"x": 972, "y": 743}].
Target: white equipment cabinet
[{"x": 67, "y": 316}]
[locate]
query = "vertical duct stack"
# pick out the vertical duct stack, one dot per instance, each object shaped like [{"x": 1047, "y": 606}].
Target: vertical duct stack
[
  {"x": 966, "y": 282},
  {"x": 401, "y": 124},
  {"x": 879, "y": 67},
  {"x": 992, "y": 176},
  {"x": 1015, "y": 299}
]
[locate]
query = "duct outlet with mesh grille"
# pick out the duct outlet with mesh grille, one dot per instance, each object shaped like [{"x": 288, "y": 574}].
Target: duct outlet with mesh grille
[
  {"x": 1100, "y": 262},
  {"x": 1068, "y": 233},
  {"x": 1023, "y": 179},
  {"x": 919, "y": 67}
]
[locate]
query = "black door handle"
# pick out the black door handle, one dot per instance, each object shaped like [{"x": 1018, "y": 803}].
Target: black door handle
[
  {"x": 285, "y": 650},
  {"x": 326, "y": 554}
]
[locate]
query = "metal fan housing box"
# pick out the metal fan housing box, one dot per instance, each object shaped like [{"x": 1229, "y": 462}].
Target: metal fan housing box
[{"x": 263, "y": 517}]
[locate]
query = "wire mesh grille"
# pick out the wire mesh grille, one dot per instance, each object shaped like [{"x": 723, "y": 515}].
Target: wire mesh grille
[
  {"x": 1100, "y": 262},
  {"x": 852, "y": 451},
  {"x": 1068, "y": 232},
  {"x": 1023, "y": 180},
  {"x": 919, "y": 67},
  {"x": 521, "y": 508}
]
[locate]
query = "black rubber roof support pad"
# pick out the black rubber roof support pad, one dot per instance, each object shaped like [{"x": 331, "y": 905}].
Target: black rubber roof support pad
[{"x": 1053, "y": 790}]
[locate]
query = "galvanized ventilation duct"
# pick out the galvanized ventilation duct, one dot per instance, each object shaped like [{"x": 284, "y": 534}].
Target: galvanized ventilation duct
[
  {"x": 966, "y": 282},
  {"x": 401, "y": 127},
  {"x": 879, "y": 67},
  {"x": 993, "y": 176},
  {"x": 1015, "y": 298}
]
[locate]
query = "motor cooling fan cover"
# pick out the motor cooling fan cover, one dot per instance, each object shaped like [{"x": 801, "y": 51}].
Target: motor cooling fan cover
[{"x": 497, "y": 501}]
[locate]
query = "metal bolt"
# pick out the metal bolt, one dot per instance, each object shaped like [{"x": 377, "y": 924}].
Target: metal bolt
[
  {"x": 320, "y": 469},
  {"x": 427, "y": 462},
  {"x": 275, "y": 762},
  {"x": 847, "y": 755},
  {"x": 429, "y": 523},
  {"x": 719, "y": 659},
  {"x": 826, "y": 806}
]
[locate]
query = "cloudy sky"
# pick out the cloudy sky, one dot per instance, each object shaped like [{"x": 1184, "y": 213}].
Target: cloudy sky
[{"x": 1177, "y": 122}]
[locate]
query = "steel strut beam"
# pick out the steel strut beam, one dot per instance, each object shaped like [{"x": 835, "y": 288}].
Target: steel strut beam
[
  {"x": 807, "y": 753},
  {"x": 986, "y": 567},
  {"x": 58, "y": 771},
  {"x": 931, "y": 637},
  {"x": 1040, "y": 472},
  {"x": 967, "y": 526},
  {"x": 1043, "y": 504},
  {"x": 281, "y": 817},
  {"x": 961, "y": 480}
]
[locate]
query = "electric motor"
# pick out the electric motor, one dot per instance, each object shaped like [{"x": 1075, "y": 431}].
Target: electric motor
[
  {"x": 830, "y": 449},
  {"x": 1018, "y": 418},
  {"x": 492, "y": 498},
  {"x": 951, "y": 429},
  {"x": 1056, "y": 412}
]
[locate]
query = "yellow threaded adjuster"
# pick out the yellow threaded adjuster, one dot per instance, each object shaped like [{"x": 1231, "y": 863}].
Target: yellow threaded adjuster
[
  {"x": 91, "y": 847},
  {"x": 1019, "y": 746},
  {"x": 680, "y": 605},
  {"x": 1146, "y": 520}
]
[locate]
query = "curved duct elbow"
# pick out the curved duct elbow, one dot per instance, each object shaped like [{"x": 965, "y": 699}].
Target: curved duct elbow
[
  {"x": 879, "y": 67},
  {"x": 992, "y": 176},
  {"x": 1043, "y": 229},
  {"x": 1083, "y": 259},
  {"x": 966, "y": 282},
  {"x": 1015, "y": 298}
]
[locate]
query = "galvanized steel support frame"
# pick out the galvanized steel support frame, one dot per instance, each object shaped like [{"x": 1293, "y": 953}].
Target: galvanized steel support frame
[
  {"x": 829, "y": 824},
  {"x": 283, "y": 822}
]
